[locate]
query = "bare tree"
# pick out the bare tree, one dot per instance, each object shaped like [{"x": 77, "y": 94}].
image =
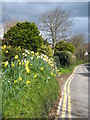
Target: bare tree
[
  {"x": 8, "y": 25},
  {"x": 55, "y": 24},
  {"x": 78, "y": 41},
  {"x": 80, "y": 44}
]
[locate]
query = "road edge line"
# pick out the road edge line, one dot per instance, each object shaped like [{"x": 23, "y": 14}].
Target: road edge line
[{"x": 60, "y": 101}]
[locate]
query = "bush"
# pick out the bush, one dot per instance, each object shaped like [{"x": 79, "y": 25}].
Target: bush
[
  {"x": 73, "y": 59},
  {"x": 64, "y": 46},
  {"x": 25, "y": 34},
  {"x": 64, "y": 58},
  {"x": 56, "y": 60},
  {"x": 47, "y": 50}
]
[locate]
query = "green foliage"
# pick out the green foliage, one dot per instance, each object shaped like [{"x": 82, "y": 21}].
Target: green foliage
[
  {"x": 56, "y": 60},
  {"x": 64, "y": 58},
  {"x": 9, "y": 52},
  {"x": 64, "y": 46},
  {"x": 47, "y": 50},
  {"x": 25, "y": 34},
  {"x": 69, "y": 70}
]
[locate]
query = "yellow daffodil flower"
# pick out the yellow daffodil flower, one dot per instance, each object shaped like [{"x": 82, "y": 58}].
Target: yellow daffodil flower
[
  {"x": 16, "y": 57},
  {"x": 27, "y": 82},
  {"x": 20, "y": 78},
  {"x": 59, "y": 73},
  {"x": 18, "y": 47},
  {"x": 30, "y": 64},
  {"x": 4, "y": 47},
  {"x": 41, "y": 68},
  {"x": 6, "y": 64},
  {"x": 52, "y": 73},
  {"x": 12, "y": 64},
  {"x": 32, "y": 52},
  {"x": 18, "y": 60},
  {"x": 35, "y": 76},
  {"x": 6, "y": 51},
  {"x": 27, "y": 62},
  {"x": 26, "y": 67},
  {"x": 9, "y": 46},
  {"x": 22, "y": 63},
  {"x": 28, "y": 70},
  {"x": 15, "y": 81},
  {"x": 19, "y": 63}
]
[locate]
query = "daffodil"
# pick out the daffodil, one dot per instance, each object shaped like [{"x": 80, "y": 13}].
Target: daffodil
[
  {"x": 22, "y": 63},
  {"x": 55, "y": 75},
  {"x": 30, "y": 64},
  {"x": 16, "y": 57},
  {"x": 18, "y": 60},
  {"x": 19, "y": 63},
  {"x": 9, "y": 46},
  {"x": 6, "y": 51},
  {"x": 32, "y": 52},
  {"x": 35, "y": 76},
  {"x": 28, "y": 70},
  {"x": 26, "y": 67},
  {"x": 20, "y": 78},
  {"x": 27, "y": 82},
  {"x": 15, "y": 81},
  {"x": 52, "y": 73},
  {"x": 59, "y": 73},
  {"x": 18, "y": 47},
  {"x": 4, "y": 47},
  {"x": 41, "y": 68},
  {"x": 6, "y": 64},
  {"x": 27, "y": 62},
  {"x": 12, "y": 64},
  {"x": 56, "y": 70}
]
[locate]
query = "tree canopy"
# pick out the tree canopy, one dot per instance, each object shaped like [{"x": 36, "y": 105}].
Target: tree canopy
[
  {"x": 24, "y": 34},
  {"x": 64, "y": 46}
]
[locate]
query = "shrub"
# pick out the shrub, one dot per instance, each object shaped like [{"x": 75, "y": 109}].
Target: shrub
[
  {"x": 64, "y": 58},
  {"x": 25, "y": 34},
  {"x": 64, "y": 46},
  {"x": 56, "y": 60},
  {"x": 47, "y": 50},
  {"x": 73, "y": 59}
]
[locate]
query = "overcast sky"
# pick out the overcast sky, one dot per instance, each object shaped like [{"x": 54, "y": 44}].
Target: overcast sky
[{"x": 32, "y": 11}]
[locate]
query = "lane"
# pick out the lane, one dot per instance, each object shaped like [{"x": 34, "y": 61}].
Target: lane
[
  {"x": 74, "y": 101},
  {"x": 79, "y": 93}
]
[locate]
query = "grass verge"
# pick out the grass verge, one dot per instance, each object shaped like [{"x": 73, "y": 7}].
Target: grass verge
[{"x": 29, "y": 87}]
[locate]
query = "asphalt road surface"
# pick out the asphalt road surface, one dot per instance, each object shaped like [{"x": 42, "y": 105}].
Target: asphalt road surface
[{"x": 74, "y": 102}]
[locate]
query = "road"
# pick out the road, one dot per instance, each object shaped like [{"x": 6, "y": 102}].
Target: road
[{"x": 74, "y": 101}]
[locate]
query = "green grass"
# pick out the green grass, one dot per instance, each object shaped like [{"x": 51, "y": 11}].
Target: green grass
[{"x": 33, "y": 100}]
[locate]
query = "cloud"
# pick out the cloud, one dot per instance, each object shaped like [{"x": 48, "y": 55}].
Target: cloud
[{"x": 33, "y": 10}]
